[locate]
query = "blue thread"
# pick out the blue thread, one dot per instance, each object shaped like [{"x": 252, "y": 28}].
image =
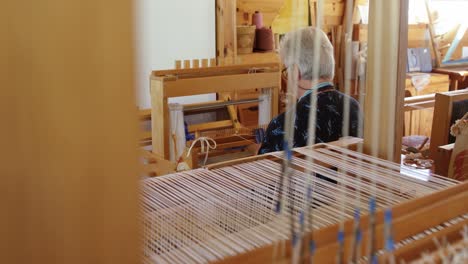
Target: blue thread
[
  {"x": 389, "y": 243},
  {"x": 341, "y": 237},
  {"x": 358, "y": 235},
  {"x": 312, "y": 247},
  {"x": 287, "y": 150},
  {"x": 372, "y": 205},
  {"x": 374, "y": 259},
  {"x": 294, "y": 239},
  {"x": 309, "y": 193},
  {"x": 188, "y": 136},
  {"x": 357, "y": 215},
  {"x": 278, "y": 207},
  {"x": 301, "y": 218},
  {"x": 357, "y": 219},
  {"x": 388, "y": 216}
]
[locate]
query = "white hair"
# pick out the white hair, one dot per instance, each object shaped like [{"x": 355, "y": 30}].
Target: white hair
[{"x": 297, "y": 47}]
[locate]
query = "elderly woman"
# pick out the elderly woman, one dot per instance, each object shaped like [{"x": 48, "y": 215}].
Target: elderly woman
[{"x": 297, "y": 54}]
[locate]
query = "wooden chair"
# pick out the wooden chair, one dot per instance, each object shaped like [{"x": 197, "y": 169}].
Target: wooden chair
[{"x": 448, "y": 107}]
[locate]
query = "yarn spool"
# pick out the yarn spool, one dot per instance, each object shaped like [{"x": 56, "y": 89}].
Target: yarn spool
[
  {"x": 264, "y": 39},
  {"x": 257, "y": 19}
]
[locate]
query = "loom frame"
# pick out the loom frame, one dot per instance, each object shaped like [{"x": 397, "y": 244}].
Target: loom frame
[
  {"x": 420, "y": 209},
  {"x": 443, "y": 105},
  {"x": 409, "y": 218},
  {"x": 220, "y": 80}
]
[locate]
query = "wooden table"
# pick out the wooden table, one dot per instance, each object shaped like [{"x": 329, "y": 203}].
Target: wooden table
[{"x": 458, "y": 76}]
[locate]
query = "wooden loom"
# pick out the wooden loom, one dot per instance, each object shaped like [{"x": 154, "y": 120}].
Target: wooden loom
[
  {"x": 226, "y": 214},
  {"x": 94, "y": 205},
  {"x": 228, "y": 82}
]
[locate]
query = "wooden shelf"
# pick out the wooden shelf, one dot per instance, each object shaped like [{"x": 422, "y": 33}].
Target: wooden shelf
[{"x": 258, "y": 57}]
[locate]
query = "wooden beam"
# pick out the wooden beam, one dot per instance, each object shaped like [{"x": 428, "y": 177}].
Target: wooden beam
[
  {"x": 404, "y": 226},
  {"x": 210, "y": 126},
  {"x": 387, "y": 45},
  {"x": 69, "y": 190},
  {"x": 263, "y": 67},
  {"x": 442, "y": 159},
  {"x": 228, "y": 83},
  {"x": 220, "y": 29},
  {"x": 160, "y": 128},
  {"x": 419, "y": 102},
  {"x": 413, "y": 250},
  {"x": 442, "y": 117}
]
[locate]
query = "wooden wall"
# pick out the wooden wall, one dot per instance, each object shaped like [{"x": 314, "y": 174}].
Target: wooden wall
[
  {"x": 418, "y": 35},
  {"x": 419, "y": 122},
  {"x": 269, "y": 8},
  {"x": 68, "y": 137}
]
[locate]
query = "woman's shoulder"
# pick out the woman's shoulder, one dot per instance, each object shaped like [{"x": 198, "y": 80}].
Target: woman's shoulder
[{"x": 342, "y": 97}]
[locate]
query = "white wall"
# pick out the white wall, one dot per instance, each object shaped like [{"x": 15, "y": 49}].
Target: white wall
[{"x": 169, "y": 30}]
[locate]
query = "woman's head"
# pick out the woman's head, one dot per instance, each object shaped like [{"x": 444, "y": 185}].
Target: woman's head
[{"x": 298, "y": 48}]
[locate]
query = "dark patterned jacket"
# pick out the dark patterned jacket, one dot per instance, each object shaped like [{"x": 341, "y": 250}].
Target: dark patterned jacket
[{"x": 329, "y": 121}]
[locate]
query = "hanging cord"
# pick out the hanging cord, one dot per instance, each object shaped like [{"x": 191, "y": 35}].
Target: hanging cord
[{"x": 210, "y": 144}]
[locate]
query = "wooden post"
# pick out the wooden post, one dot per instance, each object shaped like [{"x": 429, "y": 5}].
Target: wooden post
[
  {"x": 233, "y": 26},
  {"x": 69, "y": 133},
  {"x": 220, "y": 28},
  {"x": 195, "y": 63},
  {"x": 178, "y": 64},
  {"x": 388, "y": 33},
  {"x": 159, "y": 108},
  {"x": 226, "y": 36},
  {"x": 204, "y": 63},
  {"x": 186, "y": 64},
  {"x": 443, "y": 108},
  {"x": 212, "y": 62}
]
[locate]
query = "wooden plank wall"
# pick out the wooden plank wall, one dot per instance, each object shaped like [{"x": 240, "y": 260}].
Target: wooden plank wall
[
  {"x": 417, "y": 35},
  {"x": 69, "y": 133},
  {"x": 419, "y": 122},
  {"x": 269, "y": 9}
]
